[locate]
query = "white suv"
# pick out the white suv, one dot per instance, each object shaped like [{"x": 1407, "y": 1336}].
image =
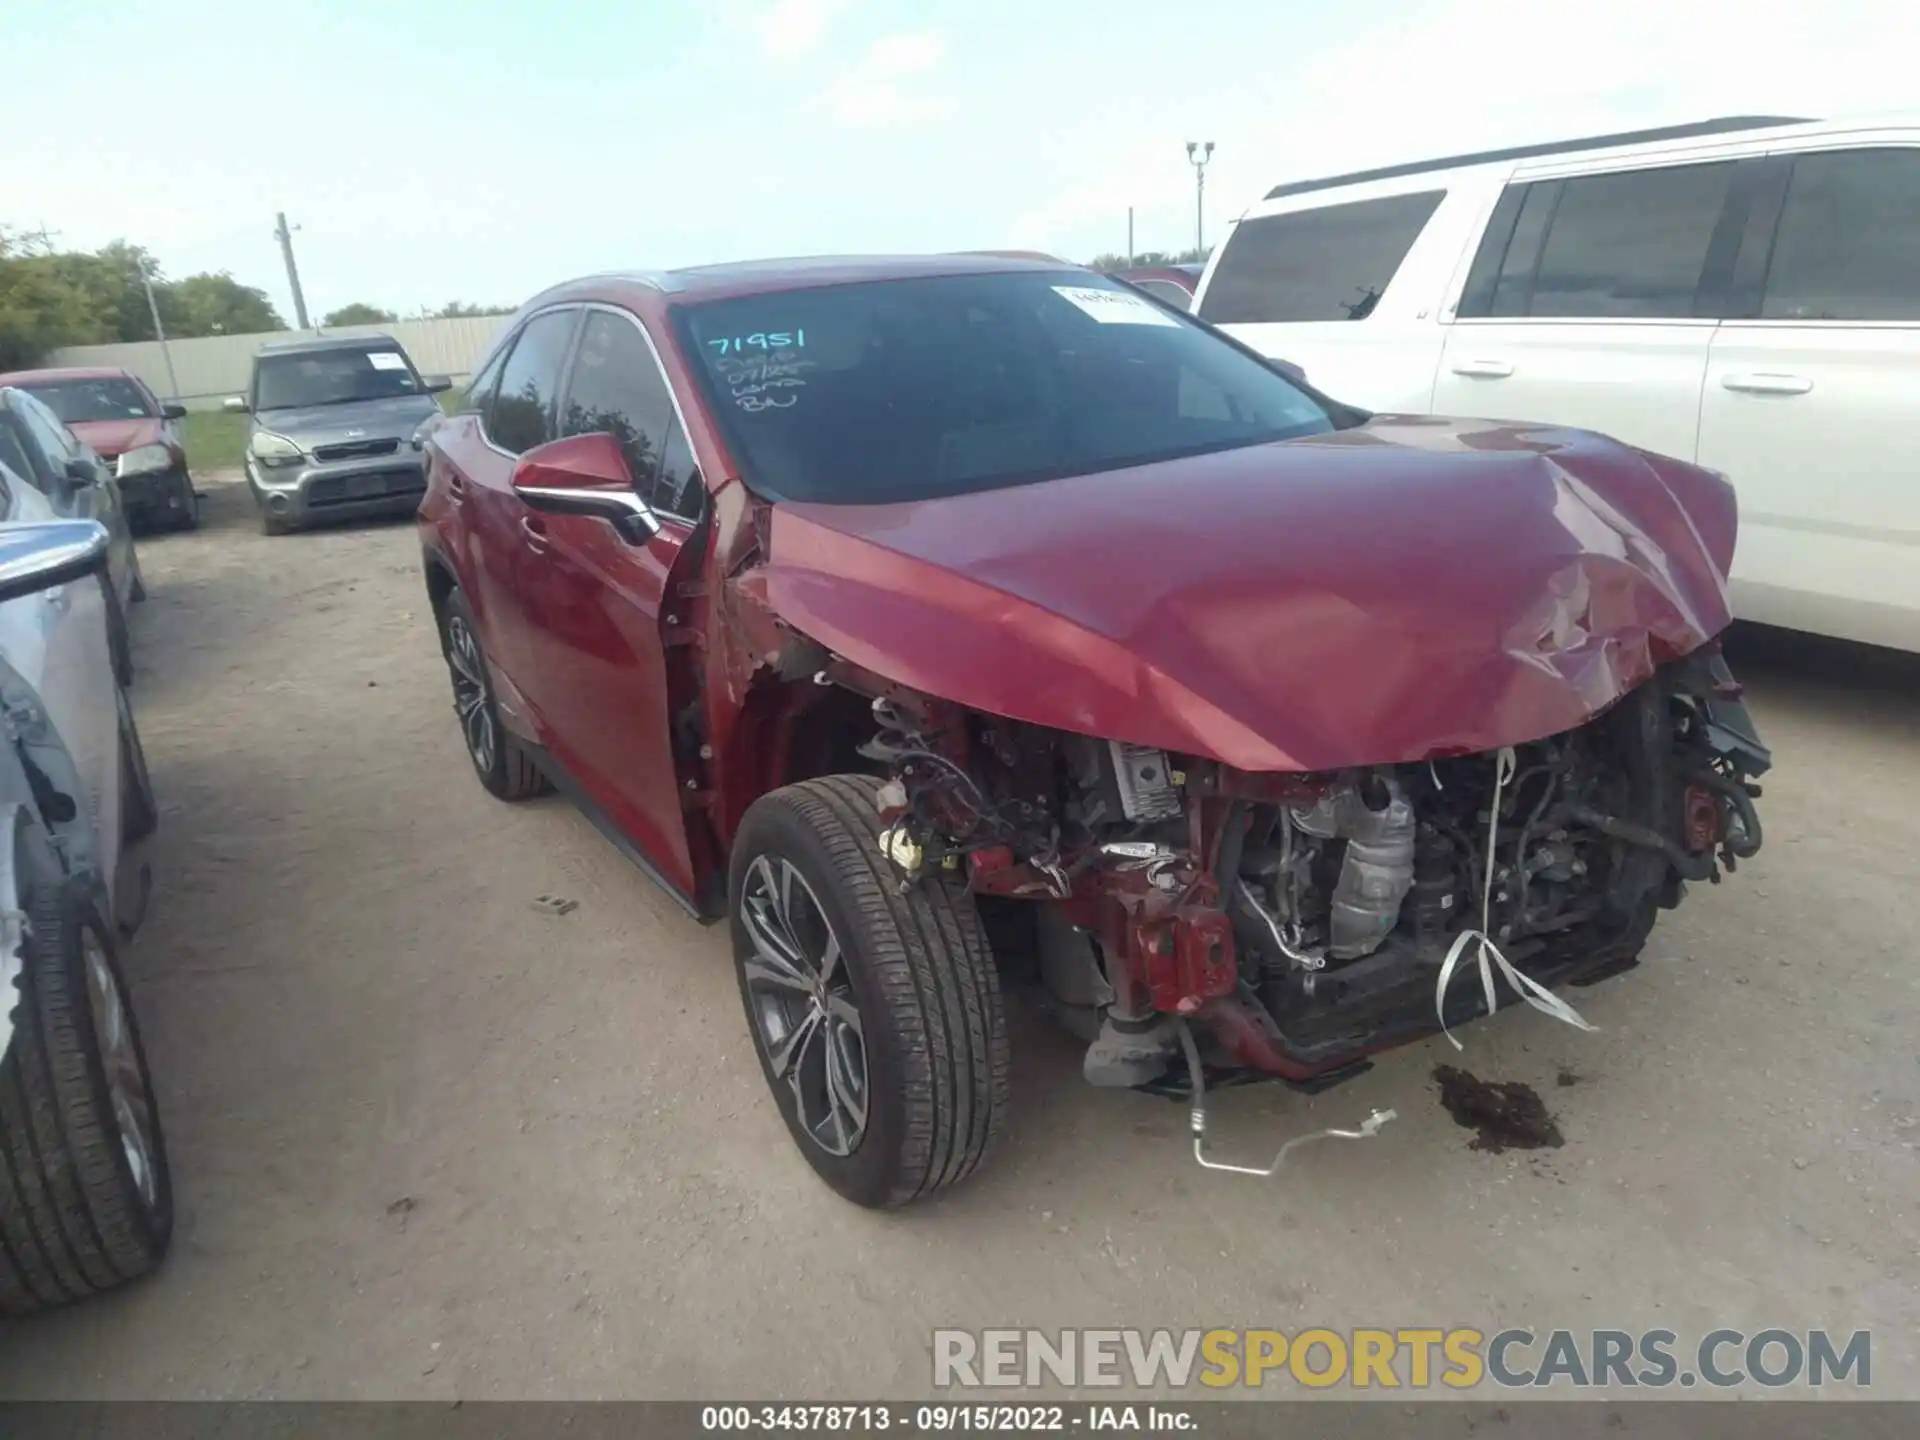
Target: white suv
[{"x": 1742, "y": 293}]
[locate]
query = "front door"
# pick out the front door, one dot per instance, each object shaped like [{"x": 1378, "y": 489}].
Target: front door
[
  {"x": 1595, "y": 319},
  {"x": 597, "y": 617}
]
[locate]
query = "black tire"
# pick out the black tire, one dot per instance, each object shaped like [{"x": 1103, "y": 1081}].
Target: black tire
[
  {"x": 74, "y": 1220},
  {"x": 119, "y": 638},
  {"x": 187, "y": 517},
  {"x": 269, "y": 525},
  {"x": 505, "y": 768},
  {"x": 932, "y": 1032},
  {"x": 139, "y": 810}
]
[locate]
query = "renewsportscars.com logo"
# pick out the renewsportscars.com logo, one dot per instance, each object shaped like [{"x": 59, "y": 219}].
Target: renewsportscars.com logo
[{"x": 1409, "y": 1358}]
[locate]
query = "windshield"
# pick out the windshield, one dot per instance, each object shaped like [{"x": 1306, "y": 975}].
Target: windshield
[
  {"x": 910, "y": 389},
  {"x": 331, "y": 377},
  {"x": 82, "y": 400}
]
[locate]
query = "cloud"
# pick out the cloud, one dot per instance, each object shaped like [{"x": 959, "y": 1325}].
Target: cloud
[
  {"x": 787, "y": 28},
  {"x": 874, "y": 91}
]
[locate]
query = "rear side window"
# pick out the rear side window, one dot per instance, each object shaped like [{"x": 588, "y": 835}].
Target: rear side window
[
  {"x": 1333, "y": 263},
  {"x": 1848, "y": 244},
  {"x": 617, "y": 388},
  {"x": 1627, "y": 246},
  {"x": 521, "y": 415}
]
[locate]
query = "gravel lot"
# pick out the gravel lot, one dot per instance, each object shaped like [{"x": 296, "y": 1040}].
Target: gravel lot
[{"x": 430, "y": 1142}]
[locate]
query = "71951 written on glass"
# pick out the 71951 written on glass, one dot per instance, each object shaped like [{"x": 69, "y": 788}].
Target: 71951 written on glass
[{"x": 761, "y": 340}]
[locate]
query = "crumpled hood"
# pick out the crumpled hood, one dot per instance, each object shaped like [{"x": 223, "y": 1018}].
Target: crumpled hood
[
  {"x": 1409, "y": 589},
  {"x": 109, "y": 438},
  {"x": 328, "y": 424}
]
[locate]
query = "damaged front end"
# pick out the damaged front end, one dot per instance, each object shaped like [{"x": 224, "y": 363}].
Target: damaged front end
[{"x": 1201, "y": 924}]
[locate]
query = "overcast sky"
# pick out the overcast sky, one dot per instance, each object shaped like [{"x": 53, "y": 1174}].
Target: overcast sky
[{"x": 430, "y": 150}]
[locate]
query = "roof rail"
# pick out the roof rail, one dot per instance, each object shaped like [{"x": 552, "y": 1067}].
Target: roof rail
[{"x": 1699, "y": 128}]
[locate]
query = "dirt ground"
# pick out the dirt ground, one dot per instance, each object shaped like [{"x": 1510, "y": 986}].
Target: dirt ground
[{"x": 429, "y": 1141}]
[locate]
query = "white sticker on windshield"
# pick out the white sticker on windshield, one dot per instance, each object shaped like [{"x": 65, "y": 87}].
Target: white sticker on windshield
[
  {"x": 386, "y": 360},
  {"x": 1114, "y": 307}
]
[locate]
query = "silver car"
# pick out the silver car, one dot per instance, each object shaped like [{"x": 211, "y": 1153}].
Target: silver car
[
  {"x": 332, "y": 434},
  {"x": 86, "y": 1200}
]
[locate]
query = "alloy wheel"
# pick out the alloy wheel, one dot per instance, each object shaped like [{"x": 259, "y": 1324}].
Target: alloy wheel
[
  {"x": 801, "y": 996},
  {"x": 127, "y": 1089},
  {"x": 470, "y": 693}
]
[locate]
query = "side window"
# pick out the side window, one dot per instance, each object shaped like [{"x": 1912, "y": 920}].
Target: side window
[
  {"x": 521, "y": 415},
  {"x": 1632, "y": 245},
  {"x": 1333, "y": 263},
  {"x": 679, "y": 491},
  {"x": 479, "y": 391},
  {"x": 617, "y": 387},
  {"x": 47, "y": 432},
  {"x": 13, "y": 455},
  {"x": 1847, "y": 241}
]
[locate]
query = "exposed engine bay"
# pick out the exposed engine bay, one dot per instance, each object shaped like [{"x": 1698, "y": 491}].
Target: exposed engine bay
[{"x": 1293, "y": 924}]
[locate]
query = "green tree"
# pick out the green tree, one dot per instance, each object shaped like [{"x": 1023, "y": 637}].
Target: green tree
[
  {"x": 217, "y": 304},
  {"x": 359, "y": 314},
  {"x": 1112, "y": 261},
  {"x": 461, "y": 309},
  {"x": 41, "y": 306}
]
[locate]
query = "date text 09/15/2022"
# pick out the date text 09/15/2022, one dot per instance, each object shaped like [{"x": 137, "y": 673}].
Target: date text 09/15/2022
[{"x": 939, "y": 1419}]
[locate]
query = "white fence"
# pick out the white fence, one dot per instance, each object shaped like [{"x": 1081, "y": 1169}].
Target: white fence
[{"x": 216, "y": 366}]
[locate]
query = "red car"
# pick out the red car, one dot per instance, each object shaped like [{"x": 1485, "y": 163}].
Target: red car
[
  {"x": 1174, "y": 284},
  {"x": 128, "y": 427},
  {"x": 957, "y": 622}
]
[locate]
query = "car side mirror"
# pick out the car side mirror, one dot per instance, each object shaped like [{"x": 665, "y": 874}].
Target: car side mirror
[
  {"x": 234, "y": 404},
  {"x": 1292, "y": 371},
  {"x": 82, "y": 471},
  {"x": 585, "y": 475},
  {"x": 34, "y": 558},
  {"x": 435, "y": 384},
  {"x": 173, "y": 412}
]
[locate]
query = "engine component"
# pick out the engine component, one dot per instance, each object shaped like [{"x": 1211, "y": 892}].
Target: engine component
[
  {"x": 1145, "y": 781},
  {"x": 1197, "y": 1122},
  {"x": 1376, "y": 820}
]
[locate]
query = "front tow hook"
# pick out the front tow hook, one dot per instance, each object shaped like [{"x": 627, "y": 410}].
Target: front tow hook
[{"x": 1367, "y": 1129}]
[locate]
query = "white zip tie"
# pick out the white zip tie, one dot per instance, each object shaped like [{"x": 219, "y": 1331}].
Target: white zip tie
[{"x": 1530, "y": 990}]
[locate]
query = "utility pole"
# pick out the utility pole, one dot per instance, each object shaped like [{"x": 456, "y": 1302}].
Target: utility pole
[
  {"x": 1129, "y": 237},
  {"x": 1199, "y": 152},
  {"x": 285, "y": 237},
  {"x": 160, "y": 333}
]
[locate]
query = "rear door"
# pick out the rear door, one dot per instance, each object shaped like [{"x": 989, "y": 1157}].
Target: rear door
[
  {"x": 1813, "y": 394},
  {"x": 1592, "y": 302},
  {"x": 600, "y": 628}
]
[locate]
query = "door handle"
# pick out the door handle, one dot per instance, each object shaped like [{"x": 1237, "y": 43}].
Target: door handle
[
  {"x": 1483, "y": 369},
  {"x": 535, "y": 532},
  {"x": 1768, "y": 384},
  {"x": 456, "y": 487}
]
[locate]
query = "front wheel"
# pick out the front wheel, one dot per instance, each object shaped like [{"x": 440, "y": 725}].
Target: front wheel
[
  {"x": 187, "y": 504},
  {"x": 876, "y": 1014},
  {"x": 86, "y": 1198}
]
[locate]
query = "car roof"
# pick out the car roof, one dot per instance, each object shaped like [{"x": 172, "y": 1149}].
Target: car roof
[
  {"x": 325, "y": 342},
  {"x": 1726, "y": 125},
  {"x": 65, "y": 372},
  {"x": 764, "y": 277}
]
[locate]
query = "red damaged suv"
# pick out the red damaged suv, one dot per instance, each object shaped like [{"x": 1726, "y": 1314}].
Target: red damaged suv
[{"x": 951, "y": 623}]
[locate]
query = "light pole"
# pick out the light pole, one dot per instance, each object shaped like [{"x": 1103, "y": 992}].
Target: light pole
[{"x": 1199, "y": 152}]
